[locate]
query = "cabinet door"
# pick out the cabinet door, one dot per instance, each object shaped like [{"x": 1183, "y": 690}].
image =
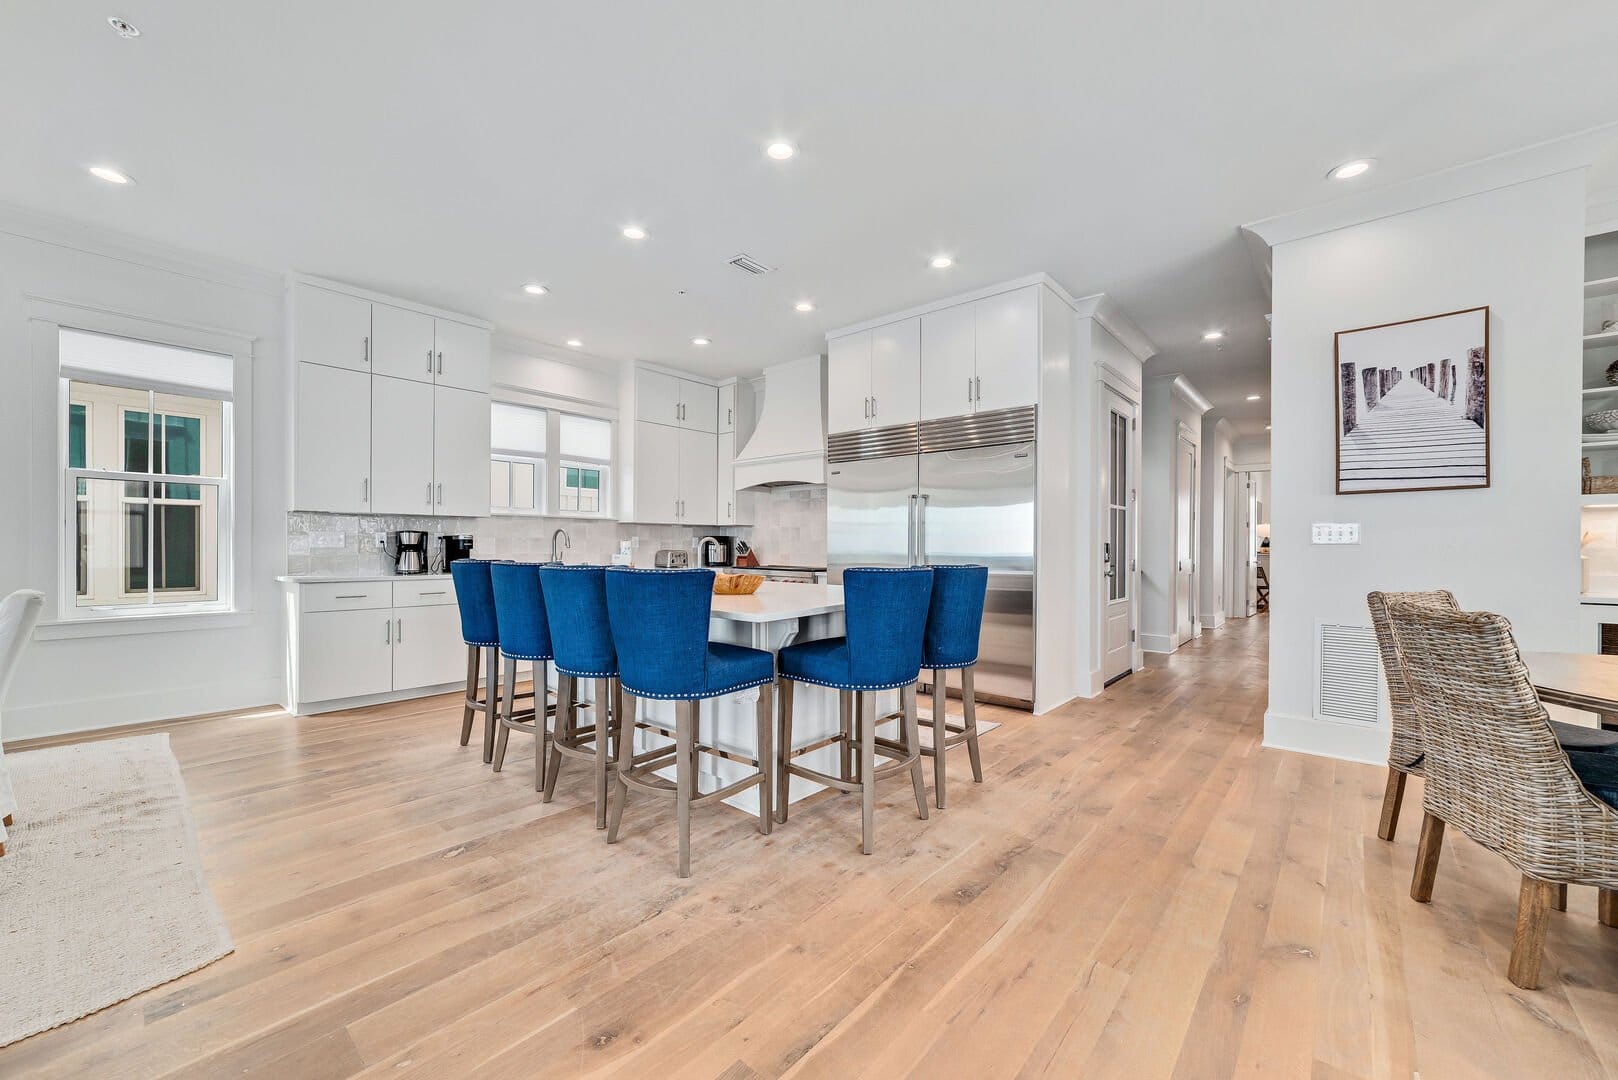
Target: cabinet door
[
  {"x": 463, "y": 355},
  {"x": 427, "y": 647},
  {"x": 657, "y": 473},
  {"x": 848, "y": 382},
  {"x": 657, "y": 398},
  {"x": 331, "y": 440},
  {"x": 896, "y": 373},
  {"x": 344, "y": 654},
  {"x": 699, "y": 466},
  {"x": 725, "y": 477},
  {"x": 727, "y": 408},
  {"x": 330, "y": 328},
  {"x": 460, "y": 452},
  {"x": 402, "y": 447},
  {"x": 1008, "y": 350},
  {"x": 699, "y": 406},
  {"x": 402, "y": 343},
  {"x": 947, "y": 362}
]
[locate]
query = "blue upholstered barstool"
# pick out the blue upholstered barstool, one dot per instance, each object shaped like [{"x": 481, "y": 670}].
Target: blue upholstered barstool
[
  {"x": 474, "y": 594},
  {"x": 950, "y": 643},
  {"x": 885, "y": 611},
  {"x": 660, "y": 628},
  {"x": 525, "y": 634},
  {"x": 576, "y": 601}
]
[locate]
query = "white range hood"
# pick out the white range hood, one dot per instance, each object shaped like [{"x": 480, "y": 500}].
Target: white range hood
[{"x": 789, "y": 443}]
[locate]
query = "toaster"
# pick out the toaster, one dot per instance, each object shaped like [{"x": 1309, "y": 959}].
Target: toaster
[{"x": 672, "y": 559}]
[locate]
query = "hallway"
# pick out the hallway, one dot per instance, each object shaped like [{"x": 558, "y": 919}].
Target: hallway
[{"x": 1138, "y": 889}]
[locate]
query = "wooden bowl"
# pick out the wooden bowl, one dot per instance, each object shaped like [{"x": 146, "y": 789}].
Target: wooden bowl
[{"x": 737, "y": 584}]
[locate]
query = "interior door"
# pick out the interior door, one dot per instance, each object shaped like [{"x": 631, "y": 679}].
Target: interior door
[
  {"x": 896, "y": 373},
  {"x": 848, "y": 383},
  {"x": 699, "y": 469},
  {"x": 460, "y": 452},
  {"x": 977, "y": 506},
  {"x": 402, "y": 343},
  {"x": 1118, "y": 541},
  {"x": 402, "y": 447},
  {"x": 1185, "y": 529},
  {"x": 870, "y": 507}
]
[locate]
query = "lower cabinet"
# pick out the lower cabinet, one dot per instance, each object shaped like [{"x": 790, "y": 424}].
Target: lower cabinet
[{"x": 369, "y": 639}]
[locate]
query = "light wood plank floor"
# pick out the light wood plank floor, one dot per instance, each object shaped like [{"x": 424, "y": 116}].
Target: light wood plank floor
[{"x": 1137, "y": 890}]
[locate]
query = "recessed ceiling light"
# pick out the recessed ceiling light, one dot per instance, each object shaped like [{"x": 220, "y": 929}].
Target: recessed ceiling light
[
  {"x": 1252, "y": 397},
  {"x": 1213, "y": 335},
  {"x": 534, "y": 288},
  {"x": 803, "y": 306},
  {"x": 574, "y": 343},
  {"x": 701, "y": 341},
  {"x": 109, "y": 174},
  {"x": 942, "y": 262},
  {"x": 634, "y": 232},
  {"x": 122, "y": 27},
  {"x": 1348, "y": 170},
  {"x": 781, "y": 150}
]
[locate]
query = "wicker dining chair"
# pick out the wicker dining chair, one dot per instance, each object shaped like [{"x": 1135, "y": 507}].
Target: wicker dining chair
[
  {"x": 1405, "y": 749},
  {"x": 1494, "y": 770}
]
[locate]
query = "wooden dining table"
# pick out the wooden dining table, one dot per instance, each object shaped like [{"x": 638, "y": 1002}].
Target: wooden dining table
[{"x": 1577, "y": 680}]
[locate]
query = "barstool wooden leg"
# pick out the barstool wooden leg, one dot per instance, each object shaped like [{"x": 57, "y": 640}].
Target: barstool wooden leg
[
  {"x": 564, "y": 722},
  {"x": 542, "y": 731},
  {"x": 766, "y": 759},
  {"x": 912, "y": 727},
  {"x": 626, "y": 744},
  {"x": 491, "y": 699},
  {"x": 504, "y": 706},
  {"x": 685, "y": 743},
  {"x": 783, "y": 776},
  {"x": 471, "y": 692},
  {"x": 940, "y": 734},
  {"x": 1426, "y": 870},
  {"x": 603, "y": 748},
  {"x": 865, "y": 702},
  {"x": 1393, "y": 797},
  {"x": 845, "y": 718},
  {"x": 969, "y": 704}
]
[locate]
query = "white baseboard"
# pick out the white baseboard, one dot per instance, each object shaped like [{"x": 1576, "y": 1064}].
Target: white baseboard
[
  {"x": 1214, "y": 621},
  {"x": 1326, "y": 738},
  {"x": 1158, "y": 643},
  {"x": 313, "y": 708},
  {"x": 71, "y": 717}
]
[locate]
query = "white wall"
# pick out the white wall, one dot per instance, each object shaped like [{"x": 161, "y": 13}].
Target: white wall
[
  {"x": 1171, "y": 405},
  {"x": 67, "y": 684},
  {"x": 1513, "y": 548},
  {"x": 1217, "y": 452},
  {"x": 1248, "y": 450}
]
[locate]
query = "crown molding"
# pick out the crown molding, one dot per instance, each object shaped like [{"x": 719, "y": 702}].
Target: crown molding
[
  {"x": 111, "y": 244},
  {"x": 1104, "y": 310},
  {"x": 954, "y": 301},
  {"x": 1565, "y": 154},
  {"x": 1184, "y": 389}
]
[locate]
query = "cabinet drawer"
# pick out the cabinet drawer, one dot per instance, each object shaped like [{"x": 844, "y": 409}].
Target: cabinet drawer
[
  {"x": 429, "y": 592},
  {"x": 345, "y": 595}
]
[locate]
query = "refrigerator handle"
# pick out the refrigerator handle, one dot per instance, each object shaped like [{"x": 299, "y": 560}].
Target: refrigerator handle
[{"x": 921, "y": 530}]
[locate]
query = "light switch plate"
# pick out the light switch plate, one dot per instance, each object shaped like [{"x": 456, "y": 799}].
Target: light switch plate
[{"x": 1331, "y": 532}]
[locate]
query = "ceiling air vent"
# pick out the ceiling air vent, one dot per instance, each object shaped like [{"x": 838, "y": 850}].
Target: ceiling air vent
[{"x": 751, "y": 265}]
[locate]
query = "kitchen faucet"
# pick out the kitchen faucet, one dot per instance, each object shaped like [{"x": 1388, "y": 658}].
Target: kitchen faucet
[{"x": 559, "y": 541}]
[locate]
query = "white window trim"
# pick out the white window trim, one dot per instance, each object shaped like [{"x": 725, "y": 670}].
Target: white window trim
[
  {"x": 47, "y": 318},
  {"x": 549, "y": 503},
  {"x": 522, "y": 457}
]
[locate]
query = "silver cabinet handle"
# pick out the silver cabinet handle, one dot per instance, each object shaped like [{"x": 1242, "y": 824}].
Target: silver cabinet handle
[
  {"x": 441, "y": 361},
  {"x": 399, "y": 637},
  {"x": 730, "y": 417},
  {"x": 873, "y": 406},
  {"x": 969, "y": 389},
  {"x": 365, "y": 350},
  {"x": 921, "y": 532},
  {"x": 440, "y": 494},
  {"x": 387, "y": 631},
  {"x": 729, "y": 511},
  {"x": 365, "y": 490},
  {"x": 429, "y": 493},
  {"x": 350, "y": 596},
  {"x": 979, "y": 381},
  {"x": 429, "y": 361},
  {"x": 439, "y": 592}
]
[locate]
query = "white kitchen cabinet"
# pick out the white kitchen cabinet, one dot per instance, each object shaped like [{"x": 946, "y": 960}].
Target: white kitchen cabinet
[
  {"x": 699, "y": 406},
  {"x": 427, "y": 647},
  {"x": 657, "y": 473},
  {"x": 345, "y": 654},
  {"x": 949, "y": 361},
  {"x": 699, "y": 464},
  {"x": 331, "y": 460},
  {"x": 462, "y": 355},
  {"x": 1008, "y": 350},
  {"x": 657, "y": 398},
  {"x": 727, "y": 408},
  {"x": 402, "y": 447},
  {"x": 729, "y": 508},
  {"x": 460, "y": 443},
  {"x": 330, "y": 328},
  {"x": 896, "y": 373},
  {"x": 401, "y": 343},
  {"x": 848, "y": 383}
]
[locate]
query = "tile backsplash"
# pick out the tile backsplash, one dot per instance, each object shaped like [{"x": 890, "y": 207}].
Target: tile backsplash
[{"x": 791, "y": 528}]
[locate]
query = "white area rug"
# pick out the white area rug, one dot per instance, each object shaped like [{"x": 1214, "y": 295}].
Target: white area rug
[{"x": 101, "y": 889}]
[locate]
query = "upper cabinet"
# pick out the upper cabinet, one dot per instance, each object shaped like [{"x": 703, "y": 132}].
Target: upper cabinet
[
  {"x": 331, "y": 328},
  {"x": 661, "y": 398},
  {"x": 727, "y": 408},
  {"x": 873, "y": 377},
  {"x": 982, "y": 355},
  {"x": 461, "y": 355},
  {"x": 848, "y": 382},
  {"x": 401, "y": 343}
]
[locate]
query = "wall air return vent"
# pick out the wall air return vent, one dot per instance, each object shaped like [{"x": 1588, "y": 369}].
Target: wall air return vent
[
  {"x": 750, "y": 265},
  {"x": 1347, "y": 668}
]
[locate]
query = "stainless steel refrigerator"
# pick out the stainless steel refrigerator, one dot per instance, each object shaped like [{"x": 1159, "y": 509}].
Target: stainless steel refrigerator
[{"x": 959, "y": 490}]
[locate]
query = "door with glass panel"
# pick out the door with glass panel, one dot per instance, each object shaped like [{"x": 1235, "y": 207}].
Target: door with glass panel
[{"x": 1118, "y": 538}]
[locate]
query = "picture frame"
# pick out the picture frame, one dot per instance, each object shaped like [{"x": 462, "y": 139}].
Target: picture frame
[{"x": 1412, "y": 404}]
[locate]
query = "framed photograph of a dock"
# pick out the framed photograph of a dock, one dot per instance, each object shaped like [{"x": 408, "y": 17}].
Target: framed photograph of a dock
[{"x": 1413, "y": 404}]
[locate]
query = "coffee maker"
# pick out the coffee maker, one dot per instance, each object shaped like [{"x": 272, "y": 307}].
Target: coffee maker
[
  {"x": 408, "y": 551},
  {"x": 452, "y": 547},
  {"x": 713, "y": 551}
]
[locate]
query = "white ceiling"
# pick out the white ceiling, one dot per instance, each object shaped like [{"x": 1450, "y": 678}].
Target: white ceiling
[{"x": 450, "y": 152}]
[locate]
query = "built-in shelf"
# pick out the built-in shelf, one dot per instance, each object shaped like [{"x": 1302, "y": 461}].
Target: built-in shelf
[
  {"x": 1592, "y": 391},
  {"x": 1595, "y": 502},
  {"x": 1602, "y": 340},
  {"x": 1606, "y": 441},
  {"x": 1601, "y": 287}
]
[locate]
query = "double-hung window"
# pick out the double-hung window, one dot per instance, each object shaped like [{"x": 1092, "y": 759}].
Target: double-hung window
[
  {"x": 147, "y": 477},
  {"x": 517, "y": 458},
  {"x": 586, "y": 459},
  {"x": 545, "y": 461}
]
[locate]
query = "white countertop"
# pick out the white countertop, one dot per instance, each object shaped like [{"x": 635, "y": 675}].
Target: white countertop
[
  {"x": 307, "y": 579},
  {"x": 780, "y": 601}
]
